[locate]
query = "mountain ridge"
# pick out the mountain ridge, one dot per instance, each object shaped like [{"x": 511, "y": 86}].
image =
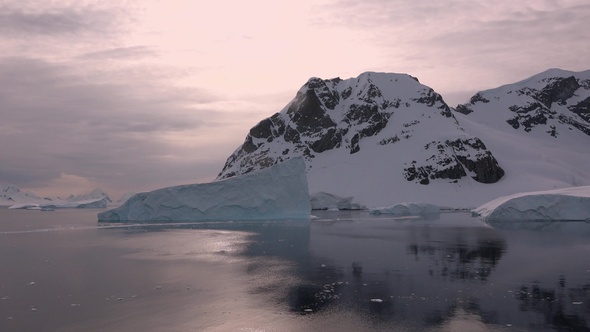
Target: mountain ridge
[{"x": 392, "y": 127}]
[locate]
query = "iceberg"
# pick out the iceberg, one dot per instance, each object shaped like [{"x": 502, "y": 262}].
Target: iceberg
[
  {"x": 407, "y": 209},
  {"x": 326, "y": 201},
  {"x": 559, "y": 204},
  {"x": 279, "y": 192}
]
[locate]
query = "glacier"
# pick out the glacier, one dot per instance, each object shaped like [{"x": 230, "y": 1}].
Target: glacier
[
  {"x": 559, "y": 204},
  {"x": 279, "y": 192}
]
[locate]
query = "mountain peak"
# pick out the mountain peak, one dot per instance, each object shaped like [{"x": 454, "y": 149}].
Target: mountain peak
[
  {"x": 375, "y": 116},
  {"x": 553, "y": 102}
]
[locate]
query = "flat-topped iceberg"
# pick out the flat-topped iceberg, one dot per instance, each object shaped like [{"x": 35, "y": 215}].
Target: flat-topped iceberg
[
  {"x": 559, "y": 204},
  {"x": 407, "y": 209},
  {"x": 279, "y": 192}
]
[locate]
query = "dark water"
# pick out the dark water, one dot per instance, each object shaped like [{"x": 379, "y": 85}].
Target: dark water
[{"x": 346, "y": 271}]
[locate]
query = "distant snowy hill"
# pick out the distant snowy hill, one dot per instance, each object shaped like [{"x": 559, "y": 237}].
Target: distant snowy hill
[
  {"x": 385, "y": 138},
  {"x": 13, "y": 197},
  {"x": 96, "y": 193},
  {"x": 11, "y": 194}
]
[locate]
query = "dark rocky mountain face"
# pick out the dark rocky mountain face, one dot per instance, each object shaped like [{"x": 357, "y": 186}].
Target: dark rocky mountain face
[
  {"x": 454, "y": 159},
  {"x": 556, "y": 101},
  {"x": 390, "y": 112}
]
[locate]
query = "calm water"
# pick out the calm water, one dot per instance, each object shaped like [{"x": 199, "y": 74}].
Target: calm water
[{"x": 346, "y": 271}]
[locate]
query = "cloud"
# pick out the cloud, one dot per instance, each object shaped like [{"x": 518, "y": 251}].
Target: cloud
[
  {"x": 57, "y": 119},
  {"x": 131, "y": 52},
  {"x": 458, "y": 45},
  {"x": 18, "y": 21}
]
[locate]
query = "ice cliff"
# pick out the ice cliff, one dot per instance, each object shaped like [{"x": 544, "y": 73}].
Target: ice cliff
[{"x": 279, "y": 192}]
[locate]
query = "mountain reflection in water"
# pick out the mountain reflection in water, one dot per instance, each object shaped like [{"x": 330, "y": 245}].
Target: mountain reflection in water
[
  {"x": 345, "y": 271},
  {"x": 427, "y": 272}
]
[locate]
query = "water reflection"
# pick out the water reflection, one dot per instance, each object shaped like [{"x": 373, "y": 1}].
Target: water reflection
[
  {"x": 559, "y": 305},
  {"x": 430, "y": 274},
  {"x": 396, "y": 270},
  {"x": 344, "y": 271},
  {"x": 447, "y": 273},
  {"x": 465, "y": 254},
  {"x": 569, "y": 227}
]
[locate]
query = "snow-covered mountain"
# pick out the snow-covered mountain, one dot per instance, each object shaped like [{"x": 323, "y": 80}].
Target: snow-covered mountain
[
  {"x": 379, "y": 137},
  {"x": 13, "y": 197},
  {"x": 385, "y": 138},
  {"x": 96, "y": 193},
  {"x": 538, "y": 128},
  {"x": 11, "y": 194}
]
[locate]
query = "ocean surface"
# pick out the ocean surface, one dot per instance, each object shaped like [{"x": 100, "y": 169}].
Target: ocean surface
[{"x": 345, "y": 271}]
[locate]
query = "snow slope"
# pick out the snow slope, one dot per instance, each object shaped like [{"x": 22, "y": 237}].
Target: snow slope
[
  {"x": 538, "y": 129},
  {"x": 278, "y": 192},
  {"x": 559, "y": 204}
]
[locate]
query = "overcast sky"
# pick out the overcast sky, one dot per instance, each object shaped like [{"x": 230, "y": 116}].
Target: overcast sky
[{"x": 131, "y": 95}]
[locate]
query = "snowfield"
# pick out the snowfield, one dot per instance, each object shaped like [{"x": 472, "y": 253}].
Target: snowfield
[{"x": 560, "y": 204}]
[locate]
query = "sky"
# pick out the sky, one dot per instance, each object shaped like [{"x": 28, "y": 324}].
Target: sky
[{"x": 136, "y": 95}]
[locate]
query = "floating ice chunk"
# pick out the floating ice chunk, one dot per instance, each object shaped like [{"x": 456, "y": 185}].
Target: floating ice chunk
[
  {"x": 377, "y": 300},
  {"x": 279, "y": 192},
  {"x": 560, "y": 204},
  {"x": 407, "y": 209}
]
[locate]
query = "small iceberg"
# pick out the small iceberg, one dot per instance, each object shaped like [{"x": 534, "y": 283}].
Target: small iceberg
[
  {"x": 407, "y": 209},
  {"x": 326, "y": 201},
  {"x": 572, "y": 204}
]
